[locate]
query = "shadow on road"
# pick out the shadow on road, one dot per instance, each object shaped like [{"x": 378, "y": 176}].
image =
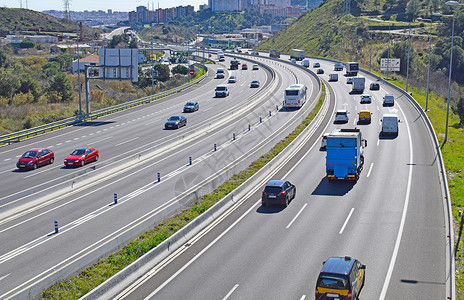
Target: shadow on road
[
  {"x": 336, "y": 188},
  {"x": 92, "y": 123}
]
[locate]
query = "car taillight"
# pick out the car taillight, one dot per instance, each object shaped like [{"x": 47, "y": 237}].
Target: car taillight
[
  {"x": 282, "y": 193},
  {"x": 349, "y": 296},
  {"x": 316, "y": 293},
  {"x": 264, "y": 193}
]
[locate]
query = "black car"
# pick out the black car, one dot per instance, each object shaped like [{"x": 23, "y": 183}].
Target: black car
[
  {"x": 278, "y": 192},
  {"x": 254, "y": 84},
  {"x": 175, "y": 122},
  {"x": 320, "y": 71},
  {"x": 374, "y": 86},
  {"x": 191, "y": 106}
]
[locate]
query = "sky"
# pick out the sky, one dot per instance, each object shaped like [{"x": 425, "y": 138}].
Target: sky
[{"x": 81, "y": 5}]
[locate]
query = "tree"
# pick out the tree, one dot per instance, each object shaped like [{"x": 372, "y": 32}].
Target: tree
[
  {"x": 180, "y": 69},
  {"x": 9, "y": 83},
  {"x": 27, "y": 44},
  {"x": 413, "y": 8},
  {"x": 459, "y": 110},
  {"x": 133, "y": 44},
  {"x": 3, "y": 58},
  {"x": 61, "y": 85},
  {"x": 163, "y": 72}
]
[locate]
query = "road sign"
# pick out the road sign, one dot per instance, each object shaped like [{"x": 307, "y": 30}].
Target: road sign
[
  {"x": 392, "y": 64},
  {"x": 192, "y": 72}
]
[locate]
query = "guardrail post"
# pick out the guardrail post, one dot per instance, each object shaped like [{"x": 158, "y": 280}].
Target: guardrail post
[
  {"x": 56, "y": 226},
  {"x": 233, "y": 136},
  {"x": 260, "y": 120},
  {"x": 249, "y": 127},
  {"x": 190, "y": 160},
  {"x": 159, "y": 176},
  {"x": 115, "y": 198},
  {"x": 277, "y": 107},
  {"x": 215, "y": 147},
  {"x": 270, "y": 113}
]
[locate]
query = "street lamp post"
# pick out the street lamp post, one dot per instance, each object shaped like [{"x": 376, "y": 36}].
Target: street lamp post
[
  {"x": 428, "y": 67},
  {"x": 370, "y": 57},
  {"x": 409, "y": 49},
  {"x": 450, "y": 69}
]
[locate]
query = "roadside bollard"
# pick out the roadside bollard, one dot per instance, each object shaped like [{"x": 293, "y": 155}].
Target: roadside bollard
[
  {"x": 233, "y": 136},
  {"x": 270, "y": 113},
  {"x": 249, "y": 127},
  {"x": 260, "y": 120},
  {"x": 56, "y": 226},
  {"x": 277, "y": 107},
  {"x": 159, "y": 177},
  {"x": 115, "y": 198},
  {"x": 190, "y": 160},
  {"x": 215, "y": 147}
]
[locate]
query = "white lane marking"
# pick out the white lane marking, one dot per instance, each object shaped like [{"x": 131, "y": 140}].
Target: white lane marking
[
  {"x": 354, "y": 121},
  {"x": 68, "y": 141},
  {"x": 301, "y": 210},
  {"x": 102, "y": 140},
  {"x": 346, "y": 221},
  {"x": 370, "y": 169},
  {"x": 230, "y": 292},
  {"x": 207, "y": 109},
  {"x": 356, "y": 108},
  {"x": 84, "y": 136},
  {"x": 378, "y": 142},
  {"x": 303, "y": 297},
  {"x": 154, "y": 121},
  {"x": 378, "y": 107},
  {"x": 3, "y": 277},
  {"x": 91, "y": 133},
  {"x": 75, "y": 139},
  {"x": 50, "y": 146},
  {"x": 7, "y": 159},
  {"x": 403, "y": 217},
  {"x": 59, "y": 144},
  {"x": 128, "y": 141}
]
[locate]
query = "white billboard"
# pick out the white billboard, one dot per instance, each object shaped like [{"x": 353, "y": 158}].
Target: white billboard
[
  {"x": 119, "y": 64},
  {"x": 392, "y": 64}
]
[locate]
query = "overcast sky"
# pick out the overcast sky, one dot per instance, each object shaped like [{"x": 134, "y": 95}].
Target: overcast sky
[{"x": 81, "y": 5}]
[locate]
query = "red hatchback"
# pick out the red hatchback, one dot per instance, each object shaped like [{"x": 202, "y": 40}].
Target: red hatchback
[
  {"x": 80, "y": 157},
  {"x": 35, "y": 158}
]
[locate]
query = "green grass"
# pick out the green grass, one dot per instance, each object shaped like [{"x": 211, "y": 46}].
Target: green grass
[{"x": 97, "y": 273}]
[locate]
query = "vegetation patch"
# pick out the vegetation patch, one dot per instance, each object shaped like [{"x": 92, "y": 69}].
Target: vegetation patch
[{"x": 92, "y": 276}]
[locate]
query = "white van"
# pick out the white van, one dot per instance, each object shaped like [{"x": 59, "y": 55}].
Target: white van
[
  {"x": 333, "y": 77},
  {"x": 389, "y": 100},
  {"x": 306, "y": 63},
  {"x": 390, "y": 124}
]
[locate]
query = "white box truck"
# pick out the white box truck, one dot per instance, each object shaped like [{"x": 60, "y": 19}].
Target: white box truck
[
  {"x": 297, "y": 54},
  {"x": 390, "y": 124},
  {"x": 358, "y": 84},
  {"x": 352, "y": 68},
  {"x": 333, "y": 77}
]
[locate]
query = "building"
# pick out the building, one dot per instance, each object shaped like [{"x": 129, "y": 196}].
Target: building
[
  {"x": 225, "y": 5},
  {"x": 146, "y": 16},
  {"x": 203, "y": 6},
  {"x": 91, "y": 60},
  {"x": 69, "y": 48}
]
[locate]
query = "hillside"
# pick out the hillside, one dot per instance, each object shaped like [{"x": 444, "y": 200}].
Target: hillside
[{"x": 18, "y": 19}]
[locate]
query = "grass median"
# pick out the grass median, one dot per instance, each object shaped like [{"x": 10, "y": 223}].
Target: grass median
[{"x": 94, "y": 275}]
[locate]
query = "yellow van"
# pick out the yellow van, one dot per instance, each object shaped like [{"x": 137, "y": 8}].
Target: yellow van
[{"x": 365, "y": 116}]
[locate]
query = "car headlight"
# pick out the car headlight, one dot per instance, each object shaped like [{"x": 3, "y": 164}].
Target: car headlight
[
  {"x": 65, "y": 161},
  {"x": 76, "y": 160},
  {"x": 30, "y": 162}
]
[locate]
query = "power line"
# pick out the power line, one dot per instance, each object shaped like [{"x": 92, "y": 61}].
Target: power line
[{"x": 67, "y": 13}]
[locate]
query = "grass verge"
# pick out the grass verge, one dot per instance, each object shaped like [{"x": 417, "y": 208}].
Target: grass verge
[{"x": 97, "y": 273}]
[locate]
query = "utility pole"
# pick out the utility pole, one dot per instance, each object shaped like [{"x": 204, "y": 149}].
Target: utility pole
[
  {"x": 409, "y": 49},
  {"x": 66, "y": 9}
]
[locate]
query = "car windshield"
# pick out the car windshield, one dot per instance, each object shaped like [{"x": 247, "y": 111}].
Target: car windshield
[
  {"x": 332, "y": 282},
  {"x": 174, "y": 118},
  {"x": 190, "y": 104},
  {"x": 29, "y": 154},
  {"x": 254, "y": 81},
  {"x": 78, "y": 152},
  {"x": 221, "y": 88},
  {"x": 273, "y": 189}
]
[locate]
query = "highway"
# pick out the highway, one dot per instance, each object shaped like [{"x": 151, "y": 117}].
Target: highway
[
  {"x": 392, "y": 220},
  {"x": 133, "y": 147}
]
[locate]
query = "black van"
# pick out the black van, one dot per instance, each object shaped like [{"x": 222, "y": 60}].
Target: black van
[{"x": 341, "y": 278}]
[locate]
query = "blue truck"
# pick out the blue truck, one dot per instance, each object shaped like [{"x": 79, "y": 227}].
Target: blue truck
[{"x": 345, "y": 154}]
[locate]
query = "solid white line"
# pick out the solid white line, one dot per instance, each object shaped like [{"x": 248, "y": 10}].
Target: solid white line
[
  {"x": 346, "y": 221},
  {"x": 303, "y": 297},
  {"x": 370, "y": 169},
  {"x": 128, "y": 141},
  {"x": 403, "y": 217},
  {"x": 230, "y": 293},
  {"x": 301, "y": 210}
]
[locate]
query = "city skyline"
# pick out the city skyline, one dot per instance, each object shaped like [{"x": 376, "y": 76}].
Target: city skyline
[{"x": 104, "y": 5}]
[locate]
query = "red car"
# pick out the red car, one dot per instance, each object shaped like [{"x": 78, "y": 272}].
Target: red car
[
  {"x": 35, "y": 158},
  {"x": 80, "y": 157}
]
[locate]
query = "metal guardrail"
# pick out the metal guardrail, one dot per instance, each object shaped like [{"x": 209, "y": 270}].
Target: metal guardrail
[{"x": 17, "y": 136}]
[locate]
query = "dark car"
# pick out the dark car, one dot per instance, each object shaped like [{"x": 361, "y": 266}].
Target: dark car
[
  {"x": 191, "y": 106},
  {"x": 36, "y": 157},
  {"x": 278, "y": 192},
  {"x": 374, "y": 86},
  {"x": 254, "y": 84},
  {"x": 244, "y": 67},
  {"x": 320, "y": 71},
  {"x": 81, "y": 156},
  {"x": 175, "y": 122},
  {"x": 340, "y": 278}
]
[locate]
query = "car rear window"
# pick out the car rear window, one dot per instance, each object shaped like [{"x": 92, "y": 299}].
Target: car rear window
[
  {"x": 333, "y": 282},
  {"x": 341, "y": 113},
  {"x": 221, "y": 88},
  {"x": 273, "y": 189}
]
